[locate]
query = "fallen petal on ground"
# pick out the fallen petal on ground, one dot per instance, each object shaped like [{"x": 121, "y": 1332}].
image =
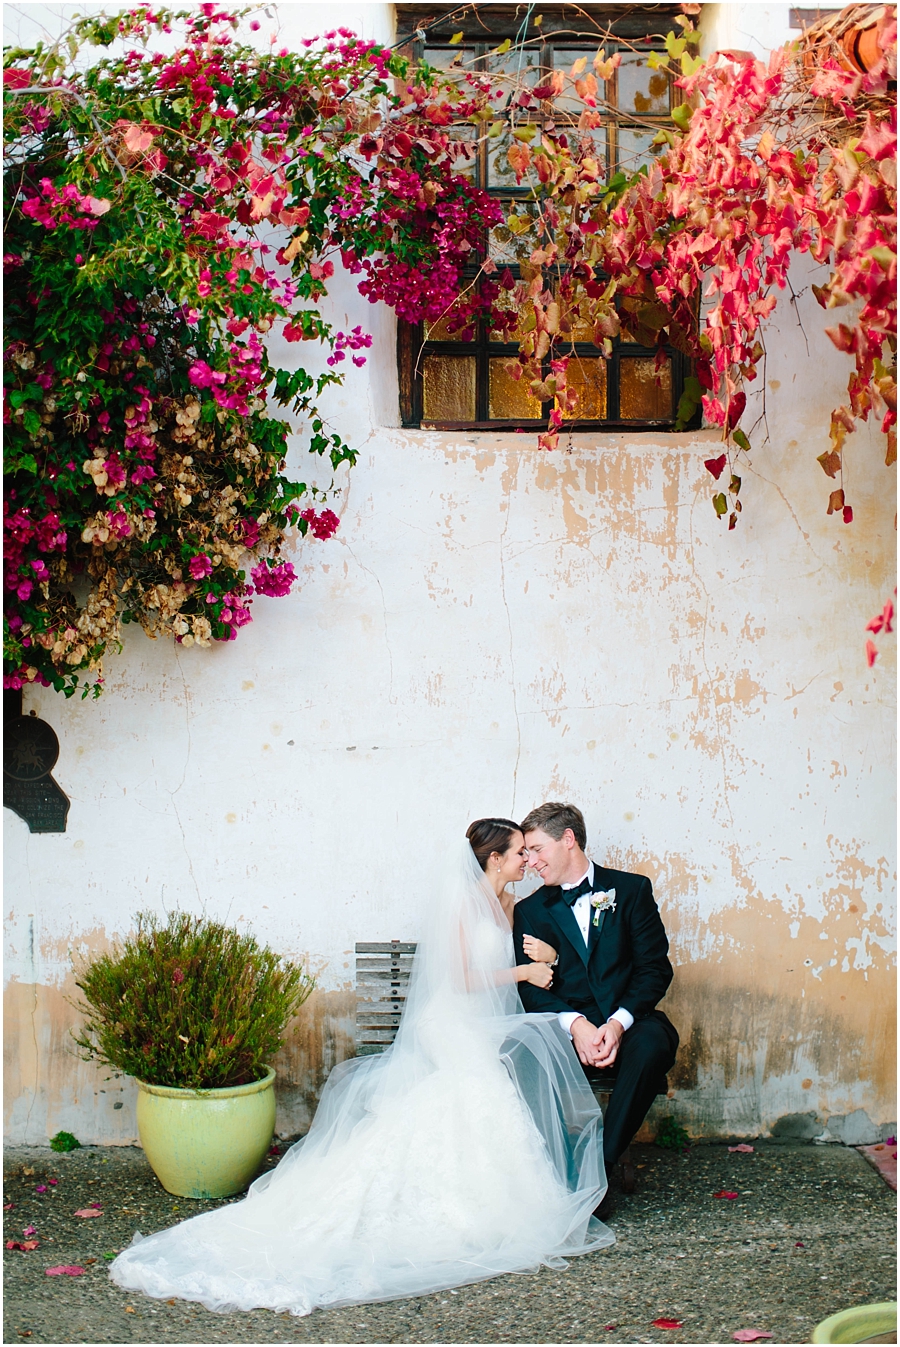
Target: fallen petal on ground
[
  {"x": 744, "y": 1150},
  {"x": 667, "y": 1323},
  {"x": 64, "y": 1270},
  {"x": 751, "y": 1334}
]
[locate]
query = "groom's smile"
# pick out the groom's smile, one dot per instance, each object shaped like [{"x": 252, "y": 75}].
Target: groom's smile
[{"x": 554, "y": 860}]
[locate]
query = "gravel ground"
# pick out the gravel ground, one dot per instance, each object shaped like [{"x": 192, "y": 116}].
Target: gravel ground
[{"x": 811, "y": 1232}]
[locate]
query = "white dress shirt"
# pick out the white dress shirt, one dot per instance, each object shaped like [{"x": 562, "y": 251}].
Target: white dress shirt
[{"x": 581, "y": 909}]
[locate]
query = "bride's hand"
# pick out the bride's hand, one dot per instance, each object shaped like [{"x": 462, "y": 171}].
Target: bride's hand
[
  {"x": 538, "y": 950},
  {"x": 538, "y": 974}
]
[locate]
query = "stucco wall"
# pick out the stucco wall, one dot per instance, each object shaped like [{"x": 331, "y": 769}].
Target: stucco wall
[{"x": 491, "y": 627}]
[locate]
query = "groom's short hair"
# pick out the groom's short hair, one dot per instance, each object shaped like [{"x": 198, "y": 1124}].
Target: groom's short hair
[{"x": 554, "y": 819}]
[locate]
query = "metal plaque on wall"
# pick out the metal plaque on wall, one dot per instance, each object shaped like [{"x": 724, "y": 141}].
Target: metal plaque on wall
[{"x": 30, "y": 751}]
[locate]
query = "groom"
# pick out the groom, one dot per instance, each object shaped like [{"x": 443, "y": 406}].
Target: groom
[{"x": 611, "y": 970}]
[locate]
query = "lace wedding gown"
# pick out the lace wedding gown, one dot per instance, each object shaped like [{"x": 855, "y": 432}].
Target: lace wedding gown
[{"x": 472, "y": 1147}]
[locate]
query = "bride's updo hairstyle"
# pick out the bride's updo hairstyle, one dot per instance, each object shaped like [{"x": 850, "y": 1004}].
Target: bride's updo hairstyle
[{"x": 487, "y": 835}]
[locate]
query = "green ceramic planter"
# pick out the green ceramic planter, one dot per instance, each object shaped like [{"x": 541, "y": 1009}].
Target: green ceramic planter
[
  {"x": 206, "y": 1143},
  {"x": 864, "y": 1323}
]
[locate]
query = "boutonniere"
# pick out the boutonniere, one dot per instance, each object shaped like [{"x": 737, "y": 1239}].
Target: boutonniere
[{"x": 603, "y": 902}]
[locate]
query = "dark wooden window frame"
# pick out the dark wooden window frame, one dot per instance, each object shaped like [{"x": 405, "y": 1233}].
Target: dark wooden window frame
[{"x": 564, "y": 26}]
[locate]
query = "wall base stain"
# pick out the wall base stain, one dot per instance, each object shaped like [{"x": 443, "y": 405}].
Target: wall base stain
[{"x": 48, "y": 1088}]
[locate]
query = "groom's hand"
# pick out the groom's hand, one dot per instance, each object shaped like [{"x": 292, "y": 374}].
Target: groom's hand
[
  {"x": 606, "y": 1043},
  {"x": 583, "y": 1036}
]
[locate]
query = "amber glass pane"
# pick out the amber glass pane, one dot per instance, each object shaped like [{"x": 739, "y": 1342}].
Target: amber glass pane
[
  {"x": 507, "y": 300},
  {"x": 579, "y": 328},
  {"x": 644, "y": 394},
  {"x": 641, "y": 89},
  {"x": 509, "y": 399},
  {"x": 438, "y": 331},
  {"x": 507, "y": 248},
  {"x": 588, "y": 378},
  {"x": 448, "y": 387}
]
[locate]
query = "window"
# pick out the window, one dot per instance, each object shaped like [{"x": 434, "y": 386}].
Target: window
[{"x": 450, "y": 383}]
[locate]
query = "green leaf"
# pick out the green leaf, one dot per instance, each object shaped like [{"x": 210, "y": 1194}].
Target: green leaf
[
  {"x": 503, "y": 48},
  {"x": 682, "y": 115},
  {"x": 18, "y": 396},
  {"x": 720, "y": 504},
  {"x": 883, "y": 256},
  {"x": 690, "y": 64},
  {"x": 741, "y": 440},
  {"x": 675, "y": 46},
  {"x": 27, "y": 463},
  {"x": 456, "y": 39},
  {"x": 31, "y": 421}
]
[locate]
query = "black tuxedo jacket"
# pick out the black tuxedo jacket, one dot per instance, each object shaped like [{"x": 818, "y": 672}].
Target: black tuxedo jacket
[{"x": 625, "y": 962}]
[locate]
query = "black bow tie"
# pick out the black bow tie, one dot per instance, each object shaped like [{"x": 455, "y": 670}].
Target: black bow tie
[{"x": 570, "y": 895}]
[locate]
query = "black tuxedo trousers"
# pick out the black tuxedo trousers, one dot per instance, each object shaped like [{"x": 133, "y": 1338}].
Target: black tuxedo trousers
[{"x": 625, "y": 964}]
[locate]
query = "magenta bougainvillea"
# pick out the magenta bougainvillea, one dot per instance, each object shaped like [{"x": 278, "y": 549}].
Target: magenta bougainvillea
[{"x": 165, "y": 212}]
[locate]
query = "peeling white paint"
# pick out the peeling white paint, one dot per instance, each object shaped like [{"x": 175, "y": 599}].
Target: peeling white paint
[{"x": 490, "y": 628}]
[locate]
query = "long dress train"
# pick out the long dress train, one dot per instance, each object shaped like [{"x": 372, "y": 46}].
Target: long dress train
[{"x": 472, "y": 1147}]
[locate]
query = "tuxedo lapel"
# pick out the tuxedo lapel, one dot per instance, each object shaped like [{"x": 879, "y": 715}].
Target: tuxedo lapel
[
  {"x": 563, "y": 916},
  {"x": 595, "y": 931}
]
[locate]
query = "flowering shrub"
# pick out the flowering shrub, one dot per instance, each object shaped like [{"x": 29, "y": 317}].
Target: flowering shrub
[
  {"x": 164, "y": 213},
  {"x": 189, "y": 1002}
]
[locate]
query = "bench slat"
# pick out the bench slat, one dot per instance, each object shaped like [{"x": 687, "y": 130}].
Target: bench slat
[
  {"x": 385, "y": 947},
  {"x": 383, "y": 971}
]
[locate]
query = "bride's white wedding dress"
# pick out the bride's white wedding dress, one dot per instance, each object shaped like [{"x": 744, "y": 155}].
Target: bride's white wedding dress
[{"x": 470, "y": 1148}]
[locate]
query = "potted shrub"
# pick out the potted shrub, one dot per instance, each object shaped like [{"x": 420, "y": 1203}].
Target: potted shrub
[{"x": 194, "y": 1011}]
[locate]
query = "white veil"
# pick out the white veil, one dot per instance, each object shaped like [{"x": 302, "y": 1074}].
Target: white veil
[{"x": 471, "y": 1147}]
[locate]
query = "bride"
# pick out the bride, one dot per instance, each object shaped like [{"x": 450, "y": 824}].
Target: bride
[{"x": 471, "y": 1147}]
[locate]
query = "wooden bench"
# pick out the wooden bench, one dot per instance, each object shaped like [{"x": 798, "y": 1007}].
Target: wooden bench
[{"x": 382, "y": 980}]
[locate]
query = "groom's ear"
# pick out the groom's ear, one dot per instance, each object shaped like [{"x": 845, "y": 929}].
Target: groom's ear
[{"x": 569, "y": 838}]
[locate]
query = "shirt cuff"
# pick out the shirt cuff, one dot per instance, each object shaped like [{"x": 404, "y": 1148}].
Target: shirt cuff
[
  {"x": 625, "y": 1018},
  {"x": 568, "y": 1017}
]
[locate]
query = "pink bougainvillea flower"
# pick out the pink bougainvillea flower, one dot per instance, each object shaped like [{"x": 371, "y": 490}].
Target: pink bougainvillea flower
[
  {"x": 85, "y": 1212},
  {"x": 200, "y": 567},
  {"x": 745, "y": 1150},
  {"x": 64, "y": 1270},
  {"x": 41, "y": 1188},
  {"x": 871, "y": 653},
  {"x": 725, "y": 1193},
  {"x": 668, "y": 1323},
  {"x": 751, "y": 1334},
  {"x": 799, "y": 1244},
  {"x": 24, "y": 1246},
  {"x": 29, "y": 1230}
]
